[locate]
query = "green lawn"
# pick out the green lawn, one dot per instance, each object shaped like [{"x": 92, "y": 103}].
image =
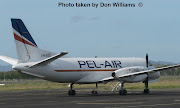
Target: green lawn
[{"x": 164, "y": 83}]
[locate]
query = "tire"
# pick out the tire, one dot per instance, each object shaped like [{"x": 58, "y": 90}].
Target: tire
[
  {"x": 146, "y": 91},
  {"x": 120, "y": 92},
  {"x": 124, "y": 92},
  {"x": 94, "y": 92},
  {"x": 71, "y": 92}
]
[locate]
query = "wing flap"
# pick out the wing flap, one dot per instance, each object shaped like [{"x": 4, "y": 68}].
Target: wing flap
[{"x": 48, "y": 60}]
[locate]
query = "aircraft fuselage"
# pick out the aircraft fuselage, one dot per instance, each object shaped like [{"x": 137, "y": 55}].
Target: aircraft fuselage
[{"x": 82, "y": 70}]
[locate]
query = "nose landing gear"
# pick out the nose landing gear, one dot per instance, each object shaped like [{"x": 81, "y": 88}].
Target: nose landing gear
[
  {"x": 146, "y": 90},
  {"x": 122, "y": 91}
]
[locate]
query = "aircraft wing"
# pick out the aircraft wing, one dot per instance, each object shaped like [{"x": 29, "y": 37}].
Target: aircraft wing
[
  {"x": 149, "y": 71},
  {"x": 107, "y": 79},
  {"x": 48, "y": 60},
  {"x": 140, "y": 72},
  {"x": 9, "y": 60}
]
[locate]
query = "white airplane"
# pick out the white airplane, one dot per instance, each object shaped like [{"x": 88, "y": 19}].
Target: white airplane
[{"x": 59, "y": 68}]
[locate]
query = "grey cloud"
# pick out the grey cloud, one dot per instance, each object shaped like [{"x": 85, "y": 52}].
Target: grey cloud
[{"x": 77, "y": 18}]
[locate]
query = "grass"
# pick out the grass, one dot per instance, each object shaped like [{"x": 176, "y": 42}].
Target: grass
[{"x": 164, "y": 83}]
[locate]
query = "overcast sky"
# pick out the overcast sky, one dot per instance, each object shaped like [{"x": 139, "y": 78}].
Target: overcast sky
[{"x": 103, "y": 32}]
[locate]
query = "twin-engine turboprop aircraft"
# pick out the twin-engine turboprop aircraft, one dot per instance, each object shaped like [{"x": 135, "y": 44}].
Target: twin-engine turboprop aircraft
[{"x": 58, "y": 68}]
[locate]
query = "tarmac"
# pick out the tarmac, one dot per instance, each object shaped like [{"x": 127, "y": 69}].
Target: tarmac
[{"x": 158, "y": 98}]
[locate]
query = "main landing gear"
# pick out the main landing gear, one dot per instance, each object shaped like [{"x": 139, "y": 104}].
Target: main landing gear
[
  {"x": 146, "y": 90},
  {"x": 95, "y": 91},
  {"x": 122, "y": 91},
  {"x": 71, "y": 92}
]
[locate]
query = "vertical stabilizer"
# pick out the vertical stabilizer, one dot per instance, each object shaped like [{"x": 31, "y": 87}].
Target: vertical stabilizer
[{"x": 27, "y": 49}]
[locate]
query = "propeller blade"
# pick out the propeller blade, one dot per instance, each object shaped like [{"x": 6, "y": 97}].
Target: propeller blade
[{"x": 147, "y": 60}]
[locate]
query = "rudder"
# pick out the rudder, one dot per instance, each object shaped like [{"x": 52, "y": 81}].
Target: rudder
[{"x": 26, "y": 47}]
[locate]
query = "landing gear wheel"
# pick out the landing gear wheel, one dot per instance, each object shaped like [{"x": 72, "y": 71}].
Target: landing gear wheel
[
  {"x": 94, "y": 92},
  {"x": 71, "y": 92},
  {"x": 122, "y": 92},
  {"x": 146, "y": 91}
]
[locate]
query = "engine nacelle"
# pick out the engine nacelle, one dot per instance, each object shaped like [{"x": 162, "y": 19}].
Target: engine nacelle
[{"x": 128, "y": 70}]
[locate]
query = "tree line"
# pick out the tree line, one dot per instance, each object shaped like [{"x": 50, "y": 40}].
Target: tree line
[
  {"x": 15, "y": 75},
  {"x": 169, "y": 72}
]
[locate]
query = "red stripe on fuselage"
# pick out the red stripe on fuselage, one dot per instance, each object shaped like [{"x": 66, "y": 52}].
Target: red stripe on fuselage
[
  {"x": 18, "y": 38},
  {"x": 84, "y": 70}
]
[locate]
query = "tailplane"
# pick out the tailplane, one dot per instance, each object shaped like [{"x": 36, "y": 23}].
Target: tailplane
[{"x": 9, "y": 60}]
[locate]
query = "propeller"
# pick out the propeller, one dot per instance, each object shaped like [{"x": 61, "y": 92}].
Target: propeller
[{"x": 147, "y": 60}]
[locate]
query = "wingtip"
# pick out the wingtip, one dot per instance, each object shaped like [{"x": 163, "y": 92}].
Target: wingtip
[{"x": 65, "y": 52}]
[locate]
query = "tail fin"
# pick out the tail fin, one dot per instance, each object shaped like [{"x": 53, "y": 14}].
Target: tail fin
[
  {"x": 21, "y": 33},
  {"x": 27, "y": 49}
]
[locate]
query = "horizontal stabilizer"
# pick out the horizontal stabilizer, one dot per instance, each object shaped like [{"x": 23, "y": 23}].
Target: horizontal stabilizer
[
  {"x": 48, "y": 60},
  {"x": 9, "y": 60}
]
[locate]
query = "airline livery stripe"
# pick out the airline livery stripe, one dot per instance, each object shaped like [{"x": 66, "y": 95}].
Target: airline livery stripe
[
  {"x": 22, "y": 40},
  {"x": 83, "y": 70}
]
